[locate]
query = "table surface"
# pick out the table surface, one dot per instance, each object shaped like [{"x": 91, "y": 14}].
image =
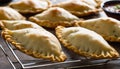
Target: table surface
[{"x": 4, "y": 64}]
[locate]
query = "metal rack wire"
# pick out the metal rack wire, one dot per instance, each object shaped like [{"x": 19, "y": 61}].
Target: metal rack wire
[{"x": 68, "y": 64}]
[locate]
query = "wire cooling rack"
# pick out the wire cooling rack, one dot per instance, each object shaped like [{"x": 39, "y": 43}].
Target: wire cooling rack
[
  {"x": 74, "y": 61},
  {"x": 71, "y": 63}
]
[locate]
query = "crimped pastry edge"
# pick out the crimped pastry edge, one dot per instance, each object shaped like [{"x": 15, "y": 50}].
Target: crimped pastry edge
[
  {"x": 86, "y": 13},
  {"x": 114, "y": 54},
  {"x": 50, "y": 24},
  {"x": 6, "y": 35}
]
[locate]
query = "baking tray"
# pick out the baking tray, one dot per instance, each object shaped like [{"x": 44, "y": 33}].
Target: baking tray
[{"x": 19, "y": 60}]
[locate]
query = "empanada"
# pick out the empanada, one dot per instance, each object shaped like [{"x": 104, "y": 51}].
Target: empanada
[
  {"x": 108, "y": 27},
  {"x": 18, "y": 24},
  {"x": 30, "y": 6},
  {"x": 35, "y": 42},
  {"x": 53, "y": 17},
  {"x": 7, "y": 13},
  {"x": 77, "y": 7},
  {"x": 85, "y": 42}
]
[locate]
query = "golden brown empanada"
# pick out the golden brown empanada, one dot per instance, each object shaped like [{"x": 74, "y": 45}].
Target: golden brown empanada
[
  {"x": 35, "y": 42},
  {"x": 85, "y": 42},
  {"x": 77, "y": 7},
  {"x": 30, "y": 6},
  {"x": 108, "y": 27},
  {"x": 18, "y": 24},
  {"x": 53, "y": 17},
  {"x": 7, "y": 13}
]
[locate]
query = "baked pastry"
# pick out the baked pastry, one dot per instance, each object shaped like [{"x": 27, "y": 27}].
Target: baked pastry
[
  {"x": 53, "y": 17},
  {"x": 18, "y": 24},
  {"x": 91, "y": 2},
  {"x": 77, "y": 7},
  {"x": 7, "y": 13},
  {"x": 30, "y": 6},
  {"x": 85, "y": 42},
  {"x": 35, "y": 42},
  {"x": 108, "y": 27}
]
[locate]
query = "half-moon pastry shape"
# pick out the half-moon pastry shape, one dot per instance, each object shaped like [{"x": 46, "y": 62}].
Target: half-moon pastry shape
[
  {"x": 85, "y": 42},
  {"x": 53, "y": 17},
  {"x": 36, "y": 43},
  {"x": 18, "y": 24},
  {"x": 30, "y": 6},
  {"x": 77, "y": 7},
  {"x": 108, "y": 27},
  {"x": 7, "y": 13}
]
